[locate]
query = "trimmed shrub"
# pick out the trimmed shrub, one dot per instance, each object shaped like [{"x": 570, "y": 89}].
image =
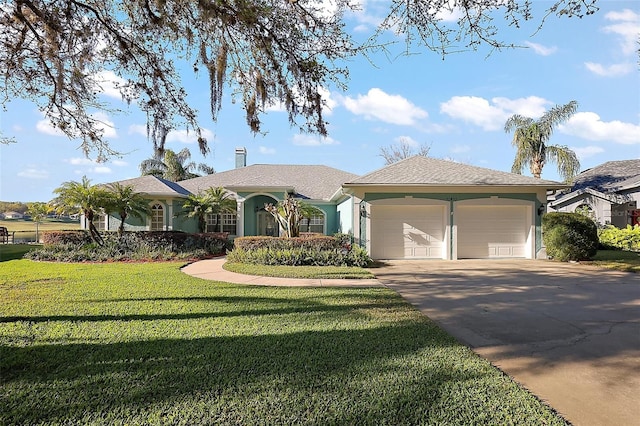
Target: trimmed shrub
[
  {"x": 317, "y": 250},
  {"x": 569, "y": 236},
  {"x": 621, "y": 239},
  {"x": 66, "y": 237},
  {"x": 131, "y": 246}
]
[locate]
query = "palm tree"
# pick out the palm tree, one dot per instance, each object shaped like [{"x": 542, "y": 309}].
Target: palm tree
[
  {"x": 84, "y": 198},
  {"x": 531, "y": 138},
  {"x": 124, "y": 201},
  {"x": 173, "y": 166},
  {"x": 196, "y": 205},
  {"x": 221, "y": 202},
  {"x": 289, "y": 212}
]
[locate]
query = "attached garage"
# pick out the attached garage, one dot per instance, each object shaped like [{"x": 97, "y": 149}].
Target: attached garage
[
  {"x": 408, "y": 231},
  {"x": 425, "y": 208},
  {"x": 485, "y": 230}
]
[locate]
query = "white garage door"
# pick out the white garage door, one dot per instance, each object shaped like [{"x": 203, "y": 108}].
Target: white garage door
[
  {"x": 492, "y": 231},
  {"x": 405, "y": 232}
]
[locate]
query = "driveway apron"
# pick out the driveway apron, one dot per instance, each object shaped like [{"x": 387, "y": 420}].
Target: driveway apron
[{"x": 569, "y": 333}]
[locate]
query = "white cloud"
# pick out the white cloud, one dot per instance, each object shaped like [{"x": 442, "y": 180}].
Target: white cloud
[
  {"x": 613, "y": 70},
  {"x": 394, "y": 109},
  {"x": 138, "y": 129},
  {"x": 328, "y": 103},
  {"x": 33, "y": 172},
  {"x": 109, "y": 83},
  {"x": 80, "y": 161},
  {"x": 540, "y": 49},
  {"x": 44, "y": 126},
  {"x": 492, "y": 115},
  {"x": 104, "y": 123},
  {"x": 101, "y": 170},
  {"x": 626, "y": 26},
  {"x": 588, "y": 125},
  {"x": 475, "y": 110},
  {"x": 119, "y": 163},
  {"x": 266, "y": 151},
  {"x": 183, "y": 136},
  {"x": 313, "y": 140},
  {"x": 587, "y": 151}
]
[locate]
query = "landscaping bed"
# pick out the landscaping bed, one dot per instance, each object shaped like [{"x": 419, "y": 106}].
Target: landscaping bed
[{"x": 115, "y": 343}]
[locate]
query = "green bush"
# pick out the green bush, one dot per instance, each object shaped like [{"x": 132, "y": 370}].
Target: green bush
[
  {"x": 569, "y": 236},
  {"x": 314, "y": 251},
  {"x": 622, "y": 239},
  {"x": 69, "y": 247},
  {"x": 320, "y": 242}
]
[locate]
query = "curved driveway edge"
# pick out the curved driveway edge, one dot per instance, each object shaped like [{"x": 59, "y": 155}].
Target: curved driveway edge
[
  {"x": 211, "y": 269},
  {"x": 569, "y": 333}
]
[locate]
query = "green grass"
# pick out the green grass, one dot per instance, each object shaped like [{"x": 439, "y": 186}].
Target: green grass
[
  {"x": 85, "y": 344},
  {"x": 15, "y": 251},
  {"x": 317, "y": 272},
  {"x": 617, "y": 259}
]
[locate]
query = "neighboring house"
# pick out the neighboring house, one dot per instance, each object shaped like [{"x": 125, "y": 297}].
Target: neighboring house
[
  {"x": 13, "y": 215},
  {"x": 609, "y": 193},
  {"x": 414, "y": 209}
]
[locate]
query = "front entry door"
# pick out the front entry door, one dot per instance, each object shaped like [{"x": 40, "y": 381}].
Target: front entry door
[{"x": 267, "y": 224}]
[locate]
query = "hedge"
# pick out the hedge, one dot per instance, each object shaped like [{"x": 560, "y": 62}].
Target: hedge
[
  {"x": 622, "y": 239},
  {"x": 77, "y": 246},
  {"x": 569, "y": 236},
  {"x": 317, "y": 250}
]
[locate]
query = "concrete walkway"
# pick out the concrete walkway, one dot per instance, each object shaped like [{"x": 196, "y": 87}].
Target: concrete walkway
[
  {"x": 211, "y": 269},
  {"x": 568, "y": 333}
]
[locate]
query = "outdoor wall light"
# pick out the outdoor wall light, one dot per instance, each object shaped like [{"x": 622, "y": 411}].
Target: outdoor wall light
[
  {"x": 541, "y": 209},
  {"x": 363, "y": 210}
]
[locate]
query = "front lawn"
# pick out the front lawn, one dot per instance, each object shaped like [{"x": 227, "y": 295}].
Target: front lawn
[
  {"x": 317, "y": 272},
  {"x": 618, "y": 259},
  {"x": 15, "y": 251},
  {"x": 146, "y": 344}
]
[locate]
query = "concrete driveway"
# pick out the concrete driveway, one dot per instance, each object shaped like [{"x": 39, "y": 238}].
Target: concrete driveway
[{"x": 570, "y": 333}]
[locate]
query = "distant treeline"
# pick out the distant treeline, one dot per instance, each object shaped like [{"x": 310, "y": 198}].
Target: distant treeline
[{"x": 13, "y": 206}]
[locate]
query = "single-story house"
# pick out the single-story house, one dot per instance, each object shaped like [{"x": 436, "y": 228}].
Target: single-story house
[
  {"x": 610, "y": 193},
  {"x": 13, "y": 215},
  {"x": 414, "y": 209}
]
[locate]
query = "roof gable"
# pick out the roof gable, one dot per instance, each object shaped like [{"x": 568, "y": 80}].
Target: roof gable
[
  {"x": 153, "y": 185},
  {"x": 420, "y": 170},
  {"x": 611, "y": 176},
  {"x": 315, "y": 182}
]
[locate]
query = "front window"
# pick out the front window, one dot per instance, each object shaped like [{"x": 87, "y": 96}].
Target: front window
[
  {"x": 228, "y": 222},
  {"x": 315, "y": 224},
  {"x": 157, "y": 218},
  {"x": 99, "y": 221}
]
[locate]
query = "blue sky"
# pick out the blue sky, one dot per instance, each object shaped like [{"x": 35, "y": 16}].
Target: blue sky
[{"x": 458, "y": 106}]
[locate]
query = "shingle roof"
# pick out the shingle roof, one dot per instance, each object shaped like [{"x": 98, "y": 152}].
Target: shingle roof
[
  {"x": 610, "y": 176},
  {"x": 155, "y": 186},
  {"x": 315, "y": 182},
  {"x": 420, "y": 170}
]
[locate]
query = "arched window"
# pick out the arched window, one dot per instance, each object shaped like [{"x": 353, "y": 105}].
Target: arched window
[
  {"x": 585, "y": 210},
  {"x": 157, "y": 218},
  {"x": 315, "y": 224}
]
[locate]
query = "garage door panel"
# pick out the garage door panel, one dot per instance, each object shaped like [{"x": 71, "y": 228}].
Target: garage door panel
[
  {"x": 492, "y": 231},
  {"x": 399, "y": 232}
]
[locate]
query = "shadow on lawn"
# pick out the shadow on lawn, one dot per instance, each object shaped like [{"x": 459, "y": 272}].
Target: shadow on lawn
[{"x": 246, "y": 379}]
